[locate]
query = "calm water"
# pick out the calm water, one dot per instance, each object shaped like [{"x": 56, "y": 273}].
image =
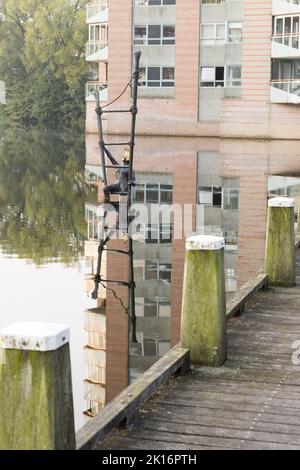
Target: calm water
[{"x": 49, "y": 223}]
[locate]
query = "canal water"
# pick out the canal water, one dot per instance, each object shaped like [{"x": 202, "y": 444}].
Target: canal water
[{"x": 49, "y": 227}]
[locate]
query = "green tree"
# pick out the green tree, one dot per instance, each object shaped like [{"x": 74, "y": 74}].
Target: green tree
[{"x": 42, "y": 61}]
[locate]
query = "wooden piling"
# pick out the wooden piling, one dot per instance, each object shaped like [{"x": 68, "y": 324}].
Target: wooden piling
[
  {"x": 203, "y": 321},
  {"x": 280, "y": 243},
  {"x": 36, "y": 404}
]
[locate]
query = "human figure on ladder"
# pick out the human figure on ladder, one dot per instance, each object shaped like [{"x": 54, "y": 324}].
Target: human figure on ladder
[{"x": 121, "y": 186}]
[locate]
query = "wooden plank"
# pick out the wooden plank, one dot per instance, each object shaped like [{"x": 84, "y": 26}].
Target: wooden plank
[
  {"x": 194, "y": 430},
  {"x": 227, "y": 424},
  {"x": 225, "y": 416},
  {"x": 127, "y": 443},
  {"x": 225, "y": 405},
  {"x": 125, "y": 405},
  {"x": 195, "y": 440}
]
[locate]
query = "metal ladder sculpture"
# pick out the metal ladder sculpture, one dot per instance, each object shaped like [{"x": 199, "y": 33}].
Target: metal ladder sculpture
[{"x": 107, "y": 232}]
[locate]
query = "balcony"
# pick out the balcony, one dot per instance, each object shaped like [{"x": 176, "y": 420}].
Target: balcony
[
  {"x": 286, "y": 46},
  {"x": 96, "y": 51},
  {"x": 92, "y": 87},
  {"x": 97, "y": 12},
  {"x": 285, "y": 91},
  {"x": 285, "y": 7}
]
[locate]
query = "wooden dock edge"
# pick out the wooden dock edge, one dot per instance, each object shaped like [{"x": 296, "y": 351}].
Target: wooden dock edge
[
  {"x": 123, "y": 407},
  {"x": 236, "y": 305}
]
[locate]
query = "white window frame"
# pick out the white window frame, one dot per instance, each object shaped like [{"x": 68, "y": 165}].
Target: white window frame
[
  {"x": 218, "y": 83},
  {"x": 161, "y": 80},
  {"x": 215, "y": 83},
  {"x": 157, "y": 302},
  {"x": 227, "y": 32},
  {"x": 158, "y": 269},
  {"x": 160, "y": 229},
  {"x": 159, "y": 189},
  {"x": 212, "y": 40},
  {"x": 229, "y": 83},
  {"x": 92, "y": 31},
  {"x": 209, "y": 189},
  {"x": 287, "y": 39},
  {"x": 145, "y": 40}
]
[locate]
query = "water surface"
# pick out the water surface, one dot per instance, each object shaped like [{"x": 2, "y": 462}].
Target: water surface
[{"x": 49, "y": 228}]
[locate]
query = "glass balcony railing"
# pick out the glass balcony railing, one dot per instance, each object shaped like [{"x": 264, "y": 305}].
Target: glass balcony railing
[
  {"x": 92, "y": 87},
  {"x": 95, "y": 7},
  {"x": 289, "y": 86},
  {"x": 289, "y": 40},
  {"x": 95, "y": 46}
]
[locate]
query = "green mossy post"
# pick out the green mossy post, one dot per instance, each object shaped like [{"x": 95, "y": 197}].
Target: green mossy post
[
  {"x": 36, "y": 404},
  {"x": 280, "y": 244},
  {"x": 203, "y": 319}
]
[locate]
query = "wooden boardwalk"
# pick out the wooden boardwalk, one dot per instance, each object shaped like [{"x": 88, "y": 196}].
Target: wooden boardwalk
[{"x": 253, "y": 402}]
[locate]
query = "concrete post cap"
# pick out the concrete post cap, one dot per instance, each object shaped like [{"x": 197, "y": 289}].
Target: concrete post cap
[
  {"x": 204, "y": 242},
  {"x": 281, "y": 202},
  {"x": 34, "y": 336}
]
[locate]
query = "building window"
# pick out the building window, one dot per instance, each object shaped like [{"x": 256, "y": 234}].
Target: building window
[
  {"x": 154, "y": 2},
  {"x": 210, "y": 196},
  {"x": 152, "y": 234},
  {"x": 234, "y": 32},
  {"x": 229, "y": 76},
  {"x": 157, "y": 307},
  {"x": 155, "y": 271},
  {"x": 212, "y": 2},
  {"x": 233, "y": 76},
  {"x": 231, "y": 199},
  {"x": 231, "y": 238},
  {"x": 98, "y": 33},
  {"x": 154, "y": 35},
  {"x": 216, "y": 196},
  {"x": 212, "y": 77},
  {"x": 285, "y": 69},
  {"x": 157, "y": 77},
  {"x": 286, "y": 31},
  {"x": 212, "y": 34},
  {"x": 231, "y": 280},
  {"x": 153, "y": 193}
]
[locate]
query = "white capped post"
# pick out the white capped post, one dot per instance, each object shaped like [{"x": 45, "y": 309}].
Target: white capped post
[
  {"x": 280, "y": 242},
  {"x": 36, "y": 402},
  {"x": 203, "y": 320}
]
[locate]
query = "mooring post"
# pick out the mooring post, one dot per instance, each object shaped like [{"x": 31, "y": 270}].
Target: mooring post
[
  {"x": 203, "y": 320},
  {"x": 280, "y": 243},
  {"x": 36, "y": 403}
]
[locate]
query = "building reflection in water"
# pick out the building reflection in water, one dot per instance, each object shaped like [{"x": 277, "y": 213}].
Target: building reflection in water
[
  {"x": 218, "y": 210},
  {"x": 227, "y": 182}
]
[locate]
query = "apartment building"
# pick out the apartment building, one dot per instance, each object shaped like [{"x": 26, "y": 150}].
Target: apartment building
[{"x": 226, "y": 68}]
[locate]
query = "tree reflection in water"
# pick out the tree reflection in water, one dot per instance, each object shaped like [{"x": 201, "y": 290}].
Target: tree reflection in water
[{"x": 42, "y": 196}]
